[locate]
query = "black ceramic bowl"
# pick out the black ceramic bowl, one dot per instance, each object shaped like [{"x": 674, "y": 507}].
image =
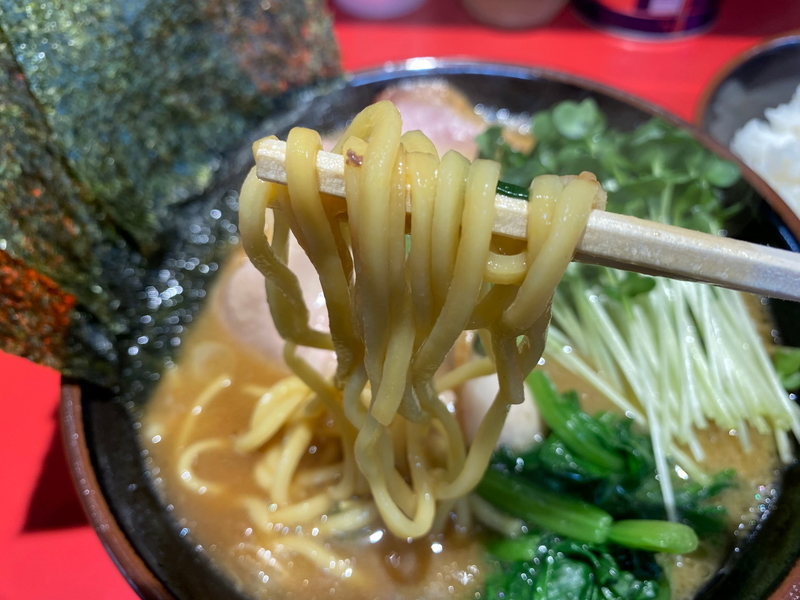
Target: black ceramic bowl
[
  {"x": 763, "y": 77},
  {"x": 99, "y": 430}
]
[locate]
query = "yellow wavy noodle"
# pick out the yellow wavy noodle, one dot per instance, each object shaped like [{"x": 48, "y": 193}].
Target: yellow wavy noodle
[
  {"x": 205, "y": 398},
  {"x": 187, "y": 460}
]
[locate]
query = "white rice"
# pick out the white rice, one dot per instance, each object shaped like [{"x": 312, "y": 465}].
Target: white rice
[{"x": 772, "y": 149}]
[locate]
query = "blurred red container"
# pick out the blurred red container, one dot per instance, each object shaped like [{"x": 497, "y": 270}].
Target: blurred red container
[{"x": 652, "y": 19}]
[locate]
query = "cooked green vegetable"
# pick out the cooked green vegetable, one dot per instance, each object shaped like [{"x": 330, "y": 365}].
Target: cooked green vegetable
[
  {"x": 787, "y": 364},
  {"x": 544, "y": 508},
  {"x": 546, "y": 567},
  {"x": 656, "y": 536},
  {"x": 588, "y": 494},
  {"x": 675, "y": 356},
  {"x": 579, "y": 431},
  {"x": 628, "y": 492}
]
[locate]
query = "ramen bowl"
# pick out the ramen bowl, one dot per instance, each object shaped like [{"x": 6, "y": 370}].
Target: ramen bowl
[{"x": 102, "y": 428}]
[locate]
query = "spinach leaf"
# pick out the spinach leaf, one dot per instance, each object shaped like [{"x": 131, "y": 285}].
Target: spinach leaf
[
  {"x": 787, "y": 365},
  {"x": 553, "y": 568},
  {"x": 606, "y": 462}
]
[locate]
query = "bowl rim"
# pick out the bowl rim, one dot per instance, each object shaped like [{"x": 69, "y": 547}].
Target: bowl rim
[
  {"x": 143, "y": 581},
  {"x": 82, "y": 469}
]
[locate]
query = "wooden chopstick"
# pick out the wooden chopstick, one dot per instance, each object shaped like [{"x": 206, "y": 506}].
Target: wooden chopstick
[{"x": 610, "y": 239}]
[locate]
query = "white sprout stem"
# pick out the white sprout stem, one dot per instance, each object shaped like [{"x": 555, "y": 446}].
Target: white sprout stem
[
  {"x": 555, "y": 350},
  {"x": 648, "y": 396},
  {"x": 677, "y": 359}
]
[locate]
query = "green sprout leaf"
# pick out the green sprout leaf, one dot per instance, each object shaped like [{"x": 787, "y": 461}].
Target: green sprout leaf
[
  {"x": 544, "y": 130},
  {"x": 721, "y": 173},
  {"x": 576, "y": 121}
]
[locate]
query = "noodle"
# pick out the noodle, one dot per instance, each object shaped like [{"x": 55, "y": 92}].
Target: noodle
[
  {"x": 351, "y": 519},
  {"x": 386, "y": 444},
  {"x": 185, "y": 466},
  {"x": 203, "y": 400},
  {"x": 271, "y": 411}
]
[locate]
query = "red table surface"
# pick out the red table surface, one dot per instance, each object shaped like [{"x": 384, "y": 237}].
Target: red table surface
[{"x": 47, "y": 548}]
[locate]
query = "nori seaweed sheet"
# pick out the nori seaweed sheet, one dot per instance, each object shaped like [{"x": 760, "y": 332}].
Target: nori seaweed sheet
[
  {"x": 116, "y": 120},
  {"x": 47, "y": 218},
  {"x": 34, "y": 313},
  {"x": 141, "y": 96}
]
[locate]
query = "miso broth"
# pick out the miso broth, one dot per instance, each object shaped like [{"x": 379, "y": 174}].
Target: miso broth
[{"x": 211, "y": 393}]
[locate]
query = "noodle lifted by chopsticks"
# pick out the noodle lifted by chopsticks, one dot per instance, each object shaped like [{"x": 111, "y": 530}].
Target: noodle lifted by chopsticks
[{"x": 397, "y": 305}]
